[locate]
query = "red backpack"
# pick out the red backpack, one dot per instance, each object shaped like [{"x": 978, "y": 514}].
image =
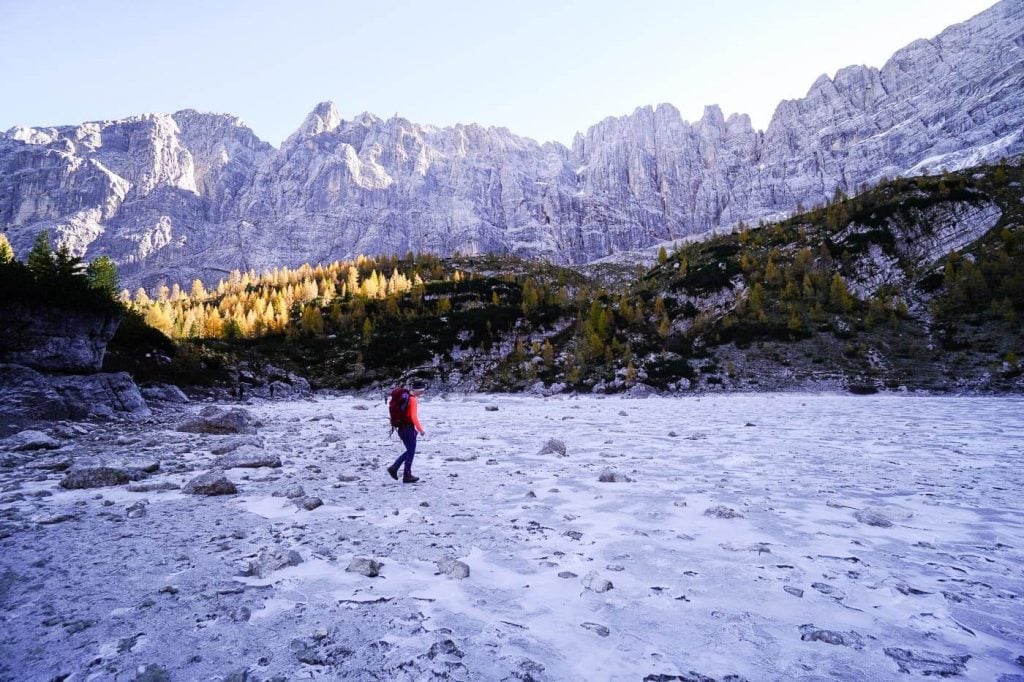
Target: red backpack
[{"x": 399, "y": 408}]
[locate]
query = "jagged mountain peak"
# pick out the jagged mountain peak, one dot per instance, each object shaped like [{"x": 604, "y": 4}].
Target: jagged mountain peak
[{"x": 175, "y": 196}]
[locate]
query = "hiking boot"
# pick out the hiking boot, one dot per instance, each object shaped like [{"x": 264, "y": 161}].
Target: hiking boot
[
  {"x": 393, "y": 472},
  {"x": 409, "y": 478}
]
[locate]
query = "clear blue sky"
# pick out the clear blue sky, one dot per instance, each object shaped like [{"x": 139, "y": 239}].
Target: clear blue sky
[{"x": 542, "y": 68}]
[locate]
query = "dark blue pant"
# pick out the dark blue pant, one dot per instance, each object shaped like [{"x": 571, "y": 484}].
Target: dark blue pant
[{"x": 408, "y": 436}]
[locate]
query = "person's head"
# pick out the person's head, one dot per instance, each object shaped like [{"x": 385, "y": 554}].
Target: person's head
[{"x": 418, "y": 387}]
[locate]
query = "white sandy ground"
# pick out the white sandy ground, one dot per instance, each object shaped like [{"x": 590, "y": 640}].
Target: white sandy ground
[{"x": 691, "y": 592}]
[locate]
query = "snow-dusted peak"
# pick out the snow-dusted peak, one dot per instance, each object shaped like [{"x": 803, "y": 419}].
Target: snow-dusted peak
[{"x": 323, "y": 119}]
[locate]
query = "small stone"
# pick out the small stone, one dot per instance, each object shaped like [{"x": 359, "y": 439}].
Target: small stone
[
  {"x": 609, "y": 476},
  {"x": 795, "y": 591},
  {"x": 722, "y": 512},
  {"x": 168, "y": 589},
  {"x": 50, "y": 519},
  {"x": 567, "y": 574},
  {"x": 554, "y": 446},
  {"x": 491, "y": 408},
  {"x": 453, "y": 568},
  {"x": 151, "y": 673},
  {"x": 137, "y": 510},
  {"x": 364, "y": 566},
  {"x": 673, "y": 434},
  {"x": 597, "y": 628},
  {"x": 573, "y": 535},
  {"x": 347, "y": 478},
  {"x": 596, "y": 583},
  {"x": 531, "y": 495},
  {"x": 615, "y": 567},
  {"x": 809, "y": 633},
  {"x": 311, "y": 503},
  {"x": 872, "y": 517}
]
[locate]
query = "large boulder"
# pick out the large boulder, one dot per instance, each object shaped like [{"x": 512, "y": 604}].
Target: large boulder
[
  {"x": 218, "y": 421},
  {"x": 164, "y": 393},
  {"x": 55, "y": 339},
  {"x": 27, "y": 396},
  {"x": 213, "y": 482},
  {"x": 101, "y": 395}
]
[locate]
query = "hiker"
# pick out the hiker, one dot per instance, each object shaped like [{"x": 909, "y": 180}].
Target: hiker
[{"x": 404, "y": 417}]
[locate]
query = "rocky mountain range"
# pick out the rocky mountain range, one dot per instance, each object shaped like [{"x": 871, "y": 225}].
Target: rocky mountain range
[{"x": 175, "y": 196}]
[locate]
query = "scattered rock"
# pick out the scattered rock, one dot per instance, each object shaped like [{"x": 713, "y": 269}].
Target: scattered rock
[
  {"x": 137, "y": 510},
  {"x": 453, "y": 568},
  {"x": 270, "y": 560},
  {"x": 310, "y": 503},
  {"x": 99, "y": 477},
  {"x": 573, "y": 535},
  {"x": 795, "y": 591},
  {"x": 491, "y": 408},
  {"x": 213, "y": 482},
  {"x": 567, "y": 574},
  {"x": 596, "y": 583},
  {"x": 364, "y": 566},
  {"x": 248, "y": 457},
  {"x": 151, "y": 673},
  {"x": 872, "y": 517},
  {"x": 673, "y": 434},
  {"x": 618, "y": 568},
  {"x": 554, "y": 446},
  {"x": 722, "y": 512},
  {"x": 50, "y": 519},
  {"x": 152, "y": 486},
  {"x": 347, "y": 478},
  {"x": 164, "y": 393},
  {"x": 927, "y": 662},
  {"x": 360, "y": 407},
  {"x": 291, "y": 492},
  {"x": 809, "y": 633},
  {"x": 231, "y": 444},
  {"x": 217, "y": 421},
  {"x": 168, "y": 589},
  {"x": 601, "y": 630},
  {"x": 460, "y": 458},
  {"x": 29, "y": 440},
  {"x": 609, "y": 476}
]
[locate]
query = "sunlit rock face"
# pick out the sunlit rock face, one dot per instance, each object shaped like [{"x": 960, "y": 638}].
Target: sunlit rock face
[{"x": 171, "y": 197}]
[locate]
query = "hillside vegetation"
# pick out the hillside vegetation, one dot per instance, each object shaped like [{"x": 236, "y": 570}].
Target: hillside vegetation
[{"x": 914, "y": 283}]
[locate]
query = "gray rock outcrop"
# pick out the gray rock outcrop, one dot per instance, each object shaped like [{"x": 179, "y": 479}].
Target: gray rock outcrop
[
  {"x": 171, "y": 197},
  {"x": 55, "y": 339}
]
